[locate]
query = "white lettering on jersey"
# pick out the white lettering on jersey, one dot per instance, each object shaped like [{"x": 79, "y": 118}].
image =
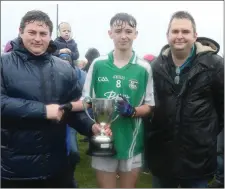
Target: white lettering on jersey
[
  {"x": 119, "y": 77},
  {"x": 103, "y": 79},
  {"x": 114, "y": 95}
]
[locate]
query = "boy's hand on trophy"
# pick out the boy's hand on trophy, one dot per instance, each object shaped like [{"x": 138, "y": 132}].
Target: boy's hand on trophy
[
  {"x": 108, "y": 130},
  {"x": 96, "y": 129},
  {"x": 124, "y": 108}
]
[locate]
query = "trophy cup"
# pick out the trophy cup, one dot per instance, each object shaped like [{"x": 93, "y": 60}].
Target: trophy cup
[{"x": 103, "y": 112}]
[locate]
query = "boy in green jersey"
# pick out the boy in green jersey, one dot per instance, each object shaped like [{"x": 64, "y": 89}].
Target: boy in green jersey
[{"x": 121, "y": 72}]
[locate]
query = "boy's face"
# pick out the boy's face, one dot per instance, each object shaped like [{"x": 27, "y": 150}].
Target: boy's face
[
  {"x": 65, "y": 31},
  {"x": 123, "y": 35}
]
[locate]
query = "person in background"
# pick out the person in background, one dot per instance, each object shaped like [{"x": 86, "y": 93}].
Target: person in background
[
  {"x": 147, "y": 120},
  {"x": 71, "y": 134},
  {"x": 81, "y": 63},
  {"x": 65, "y": 43},
  {"x": 149, "y": 58},
  {"x": 8, "y": 47},
  {"x": 189, "y": 108},
  {"x": 90, "y": 55}
]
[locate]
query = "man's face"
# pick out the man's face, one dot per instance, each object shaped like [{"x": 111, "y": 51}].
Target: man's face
[
  {"x": 123, "y": 36},
  {"x": 181, "y": 35},
  {"x": 65, "y": 31},
  {"x": 36, "y": 37}
]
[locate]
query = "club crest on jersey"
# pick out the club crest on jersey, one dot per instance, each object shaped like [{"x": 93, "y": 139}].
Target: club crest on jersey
[{"x": 133, "y": 84}]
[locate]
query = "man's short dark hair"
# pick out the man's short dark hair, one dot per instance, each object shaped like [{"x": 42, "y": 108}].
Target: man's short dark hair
[
  {"x": 183, "y": 15},
  {"x": 36, "y": 15},
  {"x": 120, "y": 18}
]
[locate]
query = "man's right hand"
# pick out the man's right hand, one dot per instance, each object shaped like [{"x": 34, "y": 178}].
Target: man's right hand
[{"x": 53, "y": 112}]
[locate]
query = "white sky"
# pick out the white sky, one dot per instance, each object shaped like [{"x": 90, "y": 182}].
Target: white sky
[{"x": 90, "y": 21}]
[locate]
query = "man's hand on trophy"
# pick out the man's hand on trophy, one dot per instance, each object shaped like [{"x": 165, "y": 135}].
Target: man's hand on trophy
[
  {"x": 124, "y": 108},
  {"x": 96, "y": 129}
]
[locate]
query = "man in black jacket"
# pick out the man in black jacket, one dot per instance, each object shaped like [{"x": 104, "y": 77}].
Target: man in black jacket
[
  {"x": 189, "y": 111},
  {"x": 34, "y": 86}
]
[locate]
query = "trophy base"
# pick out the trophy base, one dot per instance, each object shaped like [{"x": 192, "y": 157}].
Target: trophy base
[{"x": 101, "y": 149}]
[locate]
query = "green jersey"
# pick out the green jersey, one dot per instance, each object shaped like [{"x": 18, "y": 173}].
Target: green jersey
[{"x": 135, "y": 82}]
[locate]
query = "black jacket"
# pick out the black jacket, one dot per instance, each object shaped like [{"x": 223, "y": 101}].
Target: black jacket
[
  {"x": 71, "y": 44},
  {"x": 181, "y": 141},
  {"x": 33, "y": 147}
]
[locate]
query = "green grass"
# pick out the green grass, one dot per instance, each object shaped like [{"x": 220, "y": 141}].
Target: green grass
[{"x": 85, "y": 175}]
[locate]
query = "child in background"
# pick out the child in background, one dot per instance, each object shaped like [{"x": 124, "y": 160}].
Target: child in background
[{"x": 65, "y": 44}]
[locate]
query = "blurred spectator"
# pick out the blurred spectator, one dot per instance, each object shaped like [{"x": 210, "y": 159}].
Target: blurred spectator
[
  {"x": 149, "y": 57},
  {"x": 90, "y": 55},
  {"x": 82, "y": 63},
  {"x": 71, "y": 134},
  {"x": 8, "y": 47},
  {"x": 65, "y": 44}
]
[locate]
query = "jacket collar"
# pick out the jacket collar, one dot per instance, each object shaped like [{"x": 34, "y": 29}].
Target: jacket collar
[
  {"x": 202, "y": 44},
  {"x": 20, "y": 50}
]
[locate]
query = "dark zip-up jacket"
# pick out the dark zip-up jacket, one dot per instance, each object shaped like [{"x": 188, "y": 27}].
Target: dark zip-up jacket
[
  {"x": 181, "y": 141},
  {"x": 33, "y": 147}
]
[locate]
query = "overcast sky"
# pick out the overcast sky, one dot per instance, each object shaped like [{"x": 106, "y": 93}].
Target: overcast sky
[{"x": 90, "y": 21}]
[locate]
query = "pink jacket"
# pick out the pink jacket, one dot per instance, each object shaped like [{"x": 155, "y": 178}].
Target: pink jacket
[{"x": 8, "y": 47}]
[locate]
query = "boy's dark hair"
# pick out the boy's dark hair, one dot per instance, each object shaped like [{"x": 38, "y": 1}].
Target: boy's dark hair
[
  {"x": 36, "y": 15},
  {"x": 90, "y": 55},
  {"x": 120, "y": 18},
  {"x": 183, "y": 15}
]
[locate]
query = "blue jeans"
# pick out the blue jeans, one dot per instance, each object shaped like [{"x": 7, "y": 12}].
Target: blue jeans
[
  {"x": 220, "y": 158},
  {"x": 174, "y": 183},
  {"x": 72, "y": 146},
  {"x": 73, "y": 140},
  {"x": 72, "y": 151}
]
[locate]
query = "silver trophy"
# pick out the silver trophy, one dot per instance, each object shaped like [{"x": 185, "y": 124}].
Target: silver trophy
[{"x": 103, "y": 111}]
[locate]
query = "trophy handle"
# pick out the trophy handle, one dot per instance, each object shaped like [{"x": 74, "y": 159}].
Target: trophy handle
[
  {"x": 115, "y": 118},
  {"x": 116, "y": 99},
  {"x": 84, "y": 102}
]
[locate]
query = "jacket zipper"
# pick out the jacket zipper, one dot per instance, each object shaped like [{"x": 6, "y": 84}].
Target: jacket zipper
[{"x": 43, "y": 87}]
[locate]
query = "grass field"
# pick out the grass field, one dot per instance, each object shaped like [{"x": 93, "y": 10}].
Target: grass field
[{"x": 85, "y": 176}]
